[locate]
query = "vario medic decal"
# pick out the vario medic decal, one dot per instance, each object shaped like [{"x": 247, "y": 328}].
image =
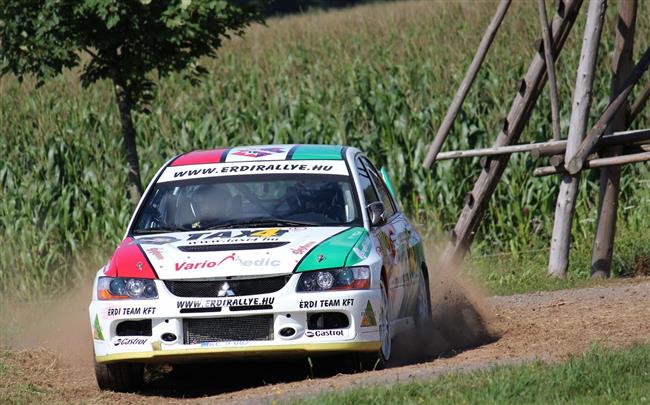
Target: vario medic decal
[
  {"x": 337, "y": 302},
  {"x": 202, "y": 265},
  {"x": 224, "y": 302},
  {"x": 330, "y": 167},
  {"x": 322, "y": 333}
]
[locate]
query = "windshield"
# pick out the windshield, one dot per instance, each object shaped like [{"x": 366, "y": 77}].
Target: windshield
[{"x": 249, "y": 201}]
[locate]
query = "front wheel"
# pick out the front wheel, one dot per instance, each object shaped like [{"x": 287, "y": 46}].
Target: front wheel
[{"x": 119, "y": 377}]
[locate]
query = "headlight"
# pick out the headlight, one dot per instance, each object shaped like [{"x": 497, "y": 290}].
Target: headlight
[
  {"x": 115, "y": 288},
  {"x": 347, "y": 278}
]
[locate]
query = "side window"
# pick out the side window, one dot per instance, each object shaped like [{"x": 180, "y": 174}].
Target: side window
[
  {"x": 384, "y": 194},
  {"x": 364, "y": 181}
]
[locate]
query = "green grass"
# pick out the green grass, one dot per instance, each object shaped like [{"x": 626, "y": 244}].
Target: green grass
[
  {"x": 600, "y": 376},
  {"x": 377, "y": 77}
]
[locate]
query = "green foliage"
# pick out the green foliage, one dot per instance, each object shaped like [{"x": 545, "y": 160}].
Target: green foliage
[
  {"x": 376, "y": 77},
  {"x": 125, "y": 40},
  {"x": 601, "y": 376}
]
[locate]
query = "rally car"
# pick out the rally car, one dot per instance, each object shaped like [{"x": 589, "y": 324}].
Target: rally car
[{"x": 259, "y": 251}]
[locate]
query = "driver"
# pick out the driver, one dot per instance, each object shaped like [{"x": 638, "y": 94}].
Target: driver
[{"x": 211, "y": 205}]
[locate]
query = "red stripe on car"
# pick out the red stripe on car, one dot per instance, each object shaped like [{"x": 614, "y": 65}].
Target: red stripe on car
[
  {"x": 200, "y": 157},
  {"x": 129, "y": 261}
]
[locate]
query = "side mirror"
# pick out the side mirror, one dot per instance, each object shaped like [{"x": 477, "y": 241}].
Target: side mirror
[{"x": 376, "y": 213}]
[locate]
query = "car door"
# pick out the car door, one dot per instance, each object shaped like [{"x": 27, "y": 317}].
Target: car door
[{"x": 393, "y": 237}]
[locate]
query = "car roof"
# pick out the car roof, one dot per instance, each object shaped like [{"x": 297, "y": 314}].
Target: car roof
[{"x": 262, "y": 152}]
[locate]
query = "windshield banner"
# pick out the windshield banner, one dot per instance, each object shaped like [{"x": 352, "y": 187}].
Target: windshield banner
[{"x": 331, "y": 167}]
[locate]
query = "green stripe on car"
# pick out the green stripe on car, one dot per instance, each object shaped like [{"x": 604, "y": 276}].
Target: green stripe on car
[
  {"x": 332, "y": 252},
  {"x": 317, "y": 152}
]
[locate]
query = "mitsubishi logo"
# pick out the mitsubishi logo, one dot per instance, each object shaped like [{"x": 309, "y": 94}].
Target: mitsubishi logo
[{"x": 225, "y": 291}]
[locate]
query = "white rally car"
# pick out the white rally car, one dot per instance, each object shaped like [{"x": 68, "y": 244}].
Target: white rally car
[{"x": 254, "y": 251}]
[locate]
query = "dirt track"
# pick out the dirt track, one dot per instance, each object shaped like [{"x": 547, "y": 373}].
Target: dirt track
[{"x": 546, "y": 325}]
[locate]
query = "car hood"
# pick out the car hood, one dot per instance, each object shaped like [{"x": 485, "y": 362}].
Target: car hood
[{"x": 240, "y": 252}]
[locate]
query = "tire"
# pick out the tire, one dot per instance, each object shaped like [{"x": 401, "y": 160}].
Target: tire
[
  {"x": 378, "y": 360},
  {"x": 119, "y": 377},
  {"x": 422, "y": 312}
]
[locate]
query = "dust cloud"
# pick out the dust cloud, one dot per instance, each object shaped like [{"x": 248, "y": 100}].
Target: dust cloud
[
  {"x": 460, "y": 317},
  {"x": 59, "y": 324}
]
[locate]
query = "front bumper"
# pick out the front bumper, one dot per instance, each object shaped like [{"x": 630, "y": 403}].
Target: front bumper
[{"x": 171, "y": 316}]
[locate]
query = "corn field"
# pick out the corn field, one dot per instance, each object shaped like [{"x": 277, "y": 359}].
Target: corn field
[{"x": 377, "y": 77}]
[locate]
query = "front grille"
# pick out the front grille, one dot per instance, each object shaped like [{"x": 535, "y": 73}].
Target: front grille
[
  {"x": 237, "y": 288},
  {"x": 231, "y": 247},
  {"x": 256, "y": 327}
]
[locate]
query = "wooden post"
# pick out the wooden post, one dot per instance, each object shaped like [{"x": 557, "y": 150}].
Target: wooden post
[
  {"x": 559, "y": 254},
  {"x": 457, "y": 102},
  {"x": 550, "y": 68},
  {"x": 528, "y": 92},
  {"x": 610, "y": 176},
  {"x": 574, "y": 163}
]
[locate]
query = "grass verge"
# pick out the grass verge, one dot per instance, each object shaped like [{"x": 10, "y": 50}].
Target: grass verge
[{"x": 600, "y": 376}]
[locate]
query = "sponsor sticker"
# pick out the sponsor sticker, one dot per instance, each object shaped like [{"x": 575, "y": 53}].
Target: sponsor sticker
[
  {"x": 224, "y": 302},
  {"x": 232, "y": 343},
  {"x": 156, "y": 240},
  {"x": 126, "y": 311},
  {"x": 263, "y": 262},
  {"x": 156, "y": 252},
  {"x": 337, "y": 302},
  {"x": 363, "y": 249},
  {"x": 258, "y": 152},
  {"x": 129, "y": 341},
  {"x": 368, "y": 316},
  {"x": 324, "y": 333},
  {"x": 249, "y": 235},
  {"x": 97, "y": 329},
  {"x": 206, "y": 264},
  {"x": 330, "y": 167},
  {"x": 302, "y": 249}
]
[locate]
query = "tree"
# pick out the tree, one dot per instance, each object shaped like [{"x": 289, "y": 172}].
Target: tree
[{"x": 126, "y": 42}]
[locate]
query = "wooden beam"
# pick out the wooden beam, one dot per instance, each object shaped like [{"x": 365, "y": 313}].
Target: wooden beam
[
  {"x": 617, "y": 138},
  {"x": 547, "y": 148},
  {"x": 610, "y": 176},
  {"x": 599, "y": 162},
  {"x": 522, "y": 105},
  {"x": 500, "y": 150},
  {"x": 550, "y": 69},
  {"x": 575, "y": 160},
  {"x": 457, "y": 102},
  {"x": 558, "y": 260}
]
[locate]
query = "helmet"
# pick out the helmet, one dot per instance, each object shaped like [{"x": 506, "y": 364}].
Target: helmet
[{"x": 211, "y": 203}]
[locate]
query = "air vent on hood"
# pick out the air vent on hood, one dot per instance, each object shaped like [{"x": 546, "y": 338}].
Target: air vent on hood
[{"x": 231, "y": 246}]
